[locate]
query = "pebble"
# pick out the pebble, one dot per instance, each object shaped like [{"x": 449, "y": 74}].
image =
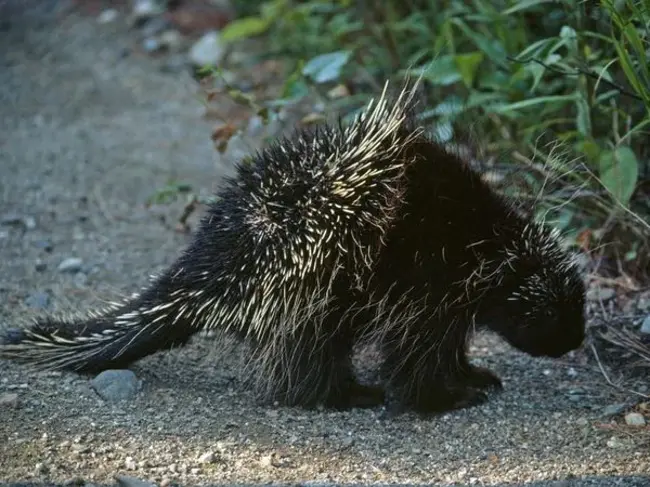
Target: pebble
[
  {"x": 8, "y": 400},
  {"x": 71, "y": 264},
  {"x": 116, "y": 385},
  {"x": 151, "y": 44},
  {"x": 634, "y": 419},
  {"x": 171, "y": 39},
  {"x": 145, "y": 9},
  {"x": 614, "y": 409},
  {"x": 80, "y": 280},
  {"x": 208, "y": 50},
  {"x": 645, "y": 326},
  {"x": 155, "y": 26},
  {"x": 208, "y": 457},
  {"x": 128, "y": 481},
  {"x": 107, "y": 16},
  {"x": 38, "y": 300},
  {"x": 600, "y": 293},
  {"x": 129, "y": 463},
  {"x": 14, "y": 219},
  {"x": 41, "y": 468},
  {"x": 45, "y": 245}
]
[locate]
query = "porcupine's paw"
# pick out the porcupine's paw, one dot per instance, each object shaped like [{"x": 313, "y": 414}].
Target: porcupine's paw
[
  {"x": 482, "y": 378},
  {"x": 448, "y": 399},
  {"x": 357, "y": 395}
]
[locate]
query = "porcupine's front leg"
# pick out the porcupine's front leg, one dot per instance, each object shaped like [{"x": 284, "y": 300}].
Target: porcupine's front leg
[{"x": 421, "y": 368}]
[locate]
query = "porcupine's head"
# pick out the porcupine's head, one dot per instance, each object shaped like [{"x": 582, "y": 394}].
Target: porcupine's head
[{"x": 540, "y": 304}]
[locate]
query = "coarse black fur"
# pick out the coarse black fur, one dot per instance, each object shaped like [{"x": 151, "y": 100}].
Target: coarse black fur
[{"x": 371, "y": 231}]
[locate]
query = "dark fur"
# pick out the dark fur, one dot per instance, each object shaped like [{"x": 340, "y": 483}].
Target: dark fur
[{"x": 448, "y": 255}]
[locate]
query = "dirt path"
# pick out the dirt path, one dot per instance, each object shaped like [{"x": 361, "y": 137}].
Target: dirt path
[{"x": 87, "y": 133}]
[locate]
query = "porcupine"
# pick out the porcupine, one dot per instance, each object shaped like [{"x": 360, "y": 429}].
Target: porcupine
[{"x": 336, "y": 234}]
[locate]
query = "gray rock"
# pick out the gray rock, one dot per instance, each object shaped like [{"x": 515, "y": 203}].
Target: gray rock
[
  {"x": 155, "y": 26},
  {"x": 171, "y": 39},
  {"x": 208, "y": 457},
  {"x": 14, "y": 219},
  {"x": 151, "y": 44},
  {"x": 8, "y": 400},
  {"x": 600, "y": 294},
  {"x": 45, "y": 245},
  {"x": 634, "y": 419},
  {"x": 71, "y": 264},
  {"x": 107, "y": 16},
  {"x": 38, "y": 300},
  {"x": 614, "y": 409},
  {"x": 208, "y": 50},
  {"x": 128, "y": 481},
  {"x": 116, "y": 385},
  {"x": 645, "y": 326},
  {"x": 146, "y": 9}
]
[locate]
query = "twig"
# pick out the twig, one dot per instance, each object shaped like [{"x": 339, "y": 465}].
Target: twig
[
  {"x": 578, "y": 72},
  {"x": 609, "y": 381}
]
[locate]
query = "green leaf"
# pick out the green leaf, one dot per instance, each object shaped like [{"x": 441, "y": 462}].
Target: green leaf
[
  {"x": 467, "y": 65},
  {"x": 619, "y": 171},
  {"x": 244, "y": 28},
  {"x": 441, "y": 71},
  {"x": 532, "y": 102},
  {"x": 326, "y": 67}
]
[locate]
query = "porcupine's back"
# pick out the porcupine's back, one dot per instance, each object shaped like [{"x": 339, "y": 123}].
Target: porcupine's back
[{"x": 297, "y": 221}]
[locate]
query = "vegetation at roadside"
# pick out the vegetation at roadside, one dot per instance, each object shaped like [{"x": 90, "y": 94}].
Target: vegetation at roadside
[{"x": 557, "y": 92}]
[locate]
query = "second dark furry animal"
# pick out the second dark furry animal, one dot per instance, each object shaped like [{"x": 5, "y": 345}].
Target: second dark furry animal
[{"x": 370, "y": 231}]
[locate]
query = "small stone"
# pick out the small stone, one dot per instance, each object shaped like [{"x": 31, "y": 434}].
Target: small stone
[
  {"x": 129, "y": 463},
  {"x": 645, "y": 326},
  {"x": 600, "y": 294},
  {"x": 195, "y": 471},
  {"x": 116, "y": 385},
  {"x": 11, "y": 219},
  {"x": 45, "y": 245},
  {"x": 173, "y": 468},
  {"x": 41, "y": 468},
  {"x": 150, "y": 44},
  {"x": 634, "y": 419},
  {"x": 71, "y": 265},
  {"x": 208, "y": 50},
  {"x": 614, "y": 409},
  {"x": 29, "y": 222},
  {"x": 267, "y": 460},
  {"x": 40, "y": 266},
  {"x": 128, "y": 481},
  {"x": 165, "y": 482},
  {"x": 8, "y": 400},
  {"x": 208, "y": 457},
  {"x": 38, "y": 300},
  {"x": 14, "y": 219},
  {"x": 155, "y": 26},
  {"x": 74, "y": 482},
  {"x": 145, "y": 9},
  {"x": 80, "y": 280},
  {"x": 171, "y": 39},
  {"x": 614, "y": 442},
  {"x": 107, "y": 16}
]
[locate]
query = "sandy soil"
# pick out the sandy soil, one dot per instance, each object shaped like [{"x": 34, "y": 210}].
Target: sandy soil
[{"x": 87, "y": 133}]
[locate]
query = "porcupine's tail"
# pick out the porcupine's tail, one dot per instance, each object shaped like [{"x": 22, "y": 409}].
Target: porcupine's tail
[{"x": 110, "y": 339}]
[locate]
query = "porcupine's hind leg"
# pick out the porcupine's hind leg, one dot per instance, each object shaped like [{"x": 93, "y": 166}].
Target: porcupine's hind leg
[
  {"x": 424, "y": 366},
  {"x": 313, "y": 367}
]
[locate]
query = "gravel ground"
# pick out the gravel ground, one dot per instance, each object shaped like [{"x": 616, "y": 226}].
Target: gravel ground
[{"x": 87, "y": 134}]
